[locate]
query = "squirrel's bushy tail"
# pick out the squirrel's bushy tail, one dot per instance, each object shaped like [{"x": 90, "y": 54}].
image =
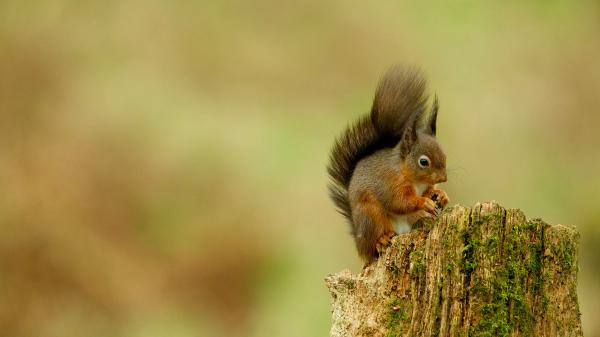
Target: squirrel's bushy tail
[{"x": 400, "y": 93}]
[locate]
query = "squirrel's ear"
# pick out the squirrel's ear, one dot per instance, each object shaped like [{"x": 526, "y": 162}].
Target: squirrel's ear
[
  {"x": 430, "y": 126},
  {"x": 409, "y": 137}
]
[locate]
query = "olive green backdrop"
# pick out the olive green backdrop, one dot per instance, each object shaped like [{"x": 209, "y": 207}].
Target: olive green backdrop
[{"x": 162, "y": 163}]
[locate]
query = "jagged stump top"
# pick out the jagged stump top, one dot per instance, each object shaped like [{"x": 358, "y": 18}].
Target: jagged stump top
[{"x": 480, "y": 271}]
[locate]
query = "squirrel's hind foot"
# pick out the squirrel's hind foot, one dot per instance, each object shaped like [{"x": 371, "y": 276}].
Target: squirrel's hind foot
[{"x": 384, "y": 241}]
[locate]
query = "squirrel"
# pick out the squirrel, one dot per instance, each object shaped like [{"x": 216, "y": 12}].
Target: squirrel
[{"x": 384, "y": 168}]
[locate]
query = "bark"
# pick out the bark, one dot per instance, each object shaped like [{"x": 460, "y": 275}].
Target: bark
[{"x": 481, "y": 271}]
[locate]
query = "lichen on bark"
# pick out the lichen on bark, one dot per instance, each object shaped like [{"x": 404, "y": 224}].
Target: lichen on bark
[{"x": 480, "y": 271}]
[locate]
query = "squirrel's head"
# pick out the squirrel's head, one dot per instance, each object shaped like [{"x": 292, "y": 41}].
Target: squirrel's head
[{"x": 420, "y": 151}]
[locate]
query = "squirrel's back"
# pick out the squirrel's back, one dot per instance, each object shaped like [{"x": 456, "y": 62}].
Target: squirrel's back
[{"x": 399, "y": 95}]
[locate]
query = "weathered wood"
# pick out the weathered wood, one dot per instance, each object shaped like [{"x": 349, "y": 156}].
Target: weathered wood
[{"x": 481, "y": 271}]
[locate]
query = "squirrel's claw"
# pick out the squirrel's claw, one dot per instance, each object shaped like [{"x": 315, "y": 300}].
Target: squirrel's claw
[
  {"x": 440, "y": 197},
  {"x": 429, "y": 206}
]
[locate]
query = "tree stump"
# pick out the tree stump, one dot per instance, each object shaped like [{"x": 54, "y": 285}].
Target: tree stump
[{"x": 481, "y": 271}]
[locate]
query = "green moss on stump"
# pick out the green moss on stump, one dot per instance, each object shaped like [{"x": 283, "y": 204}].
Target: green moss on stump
[
  {"x": 398, "y": 315},
  {"x": 481, "y": 271}
]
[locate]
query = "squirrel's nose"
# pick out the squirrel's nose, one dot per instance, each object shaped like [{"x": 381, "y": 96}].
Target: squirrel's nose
[{"x": 443, "y": 178}]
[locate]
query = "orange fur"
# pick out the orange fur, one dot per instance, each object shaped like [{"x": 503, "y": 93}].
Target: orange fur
[
  {"x": 381, "y": 226},
  {"x": 404, "y": 197}
]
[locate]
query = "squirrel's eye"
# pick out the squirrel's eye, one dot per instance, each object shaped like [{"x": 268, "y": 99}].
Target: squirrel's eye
[{"x": 424, "y": 161}]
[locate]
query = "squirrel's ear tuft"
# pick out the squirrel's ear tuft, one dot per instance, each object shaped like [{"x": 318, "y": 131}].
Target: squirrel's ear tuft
[
  {"x": 409, "y": 137},
  {"x": 430, "y": 125}
]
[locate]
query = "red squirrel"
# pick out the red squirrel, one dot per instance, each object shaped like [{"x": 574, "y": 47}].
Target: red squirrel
[{"x": 384, "y": 168}]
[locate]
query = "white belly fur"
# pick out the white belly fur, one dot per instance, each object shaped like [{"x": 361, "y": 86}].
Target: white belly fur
[
  {"x": 401, "y": 224},
  {"x": 420, "y": 188}
]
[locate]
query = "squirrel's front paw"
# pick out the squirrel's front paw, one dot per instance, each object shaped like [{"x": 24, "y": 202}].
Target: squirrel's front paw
[
  {"x": 440, "y": 197},
  {"x": 428, "y": 205},
  {"x": 417, "y": 216}
]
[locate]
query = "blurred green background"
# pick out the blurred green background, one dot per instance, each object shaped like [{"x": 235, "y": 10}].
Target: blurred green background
[{"x": 162, "y": 164}]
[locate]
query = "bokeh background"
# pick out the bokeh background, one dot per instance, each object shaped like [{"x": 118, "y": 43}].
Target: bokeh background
[{"x": 162, "y": 164}]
